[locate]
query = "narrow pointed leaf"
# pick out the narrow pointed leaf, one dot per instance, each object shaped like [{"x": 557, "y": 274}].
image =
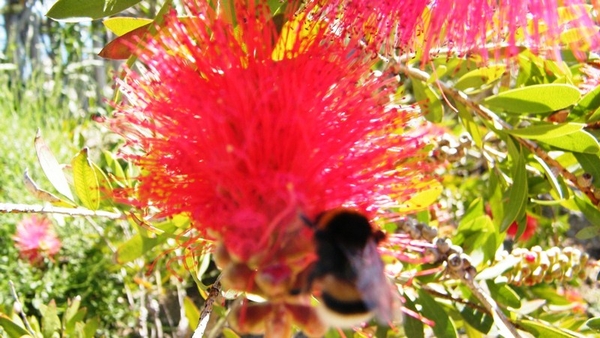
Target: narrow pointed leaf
[
  {"x": 517, "y": 193},
  {"x": 12, "y": 329},
  {"x": 38, "y": 192},
  {"x": 123, "y": 25},
  {"x": 536, "y": 99},
  {"x": 413, "y": 327},
  {"x": 77, "y": 10},
  {"x": 86, "y": 181},
  {"x": 121, "y": 48},
  {"x": 477, "y": 78},
  {"x": 192, "y": 312},
  {"x": 547, "y": 130},
  {"x": 51, "y": 167},
  {"x": 545, "y": 330},
  {"x": 50, "y": 320},
  {"x": 579, "y": 142},
  {"x": 428, "y": 100},
  {"x": 444, "y": 327}
]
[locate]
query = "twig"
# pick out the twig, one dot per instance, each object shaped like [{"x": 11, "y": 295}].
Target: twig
[
  {"x": 19, "y": 308},
  {"x": 213, "y": 292},
  {"x": 457, "y": 267},
  {"x": 455, "y": 299},
  {"x": 487, "y": 114},
  {"x": 46, "y": 209}
]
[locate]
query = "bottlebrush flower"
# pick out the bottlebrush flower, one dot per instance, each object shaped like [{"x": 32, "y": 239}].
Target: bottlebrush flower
[
  {"x": 245, "y": 143},
  {"x": 465, "y": 25},
  {"x": 35, "y": 239}
]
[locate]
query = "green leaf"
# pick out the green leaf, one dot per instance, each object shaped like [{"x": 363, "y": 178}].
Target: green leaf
[
  {"x": 428, "y": 100},
  {"x": 556, "y": 186},
  {"x": 50, "y": 320},
  {"x": 412, "y": 326},
  {"x": 90, "y": 328},
  {"x": 579, "y": 142},
  {"x": 72, "y": 315},
  {"x": 504, "y": 294},
  {"x": 78, "y": 10},
  {"x": 536, "y": 99},
  {"x": 12, "y": 329},
  {"x": 480, "y": 77},
  {"x": 591, "y": 165},
  {"x": 544, "y": 131},
  {"x": 478, "y": 320},
  {"x": 134, "y": 248},
  {"x": 138, "y": 245},
  {"x": 593, "y": 323},
  {"x": 192, "y": 312},
  {"x": 498, "y": 268},
  {"x": 517, "y": 193},
  {"x": 229, "y": 333},
  {"x": 51, "y": 168},
  {"x": 467, "y": 120},
  {"x": 588, "y": 233},
  {"x": 589, "y": 210},
  {"x": 85, "y": 180},
  {"x": 444, "y": 327},
  {"x": 591, "y": 101},
  {"x": 123, "y": 25},
  {"x": 544, "y": 330}
]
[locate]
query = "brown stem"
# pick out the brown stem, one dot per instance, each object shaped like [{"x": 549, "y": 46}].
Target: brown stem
[{"x": 9, "y": 208}]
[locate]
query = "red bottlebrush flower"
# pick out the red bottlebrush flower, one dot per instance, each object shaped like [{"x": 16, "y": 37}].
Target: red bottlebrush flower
[
  {"x": 467, "y": 25},
  {"x": 245, "y": 140},
  {"x": 530, "y": 226},
  {"x": 36, "y": 239}
]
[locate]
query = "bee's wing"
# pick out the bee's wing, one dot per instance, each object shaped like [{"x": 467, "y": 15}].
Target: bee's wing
[{"x": 371, "y": 281}]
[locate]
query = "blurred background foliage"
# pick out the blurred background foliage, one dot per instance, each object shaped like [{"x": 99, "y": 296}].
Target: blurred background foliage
[
  {"x": 52, "y": 79},
  {"x": 132, "y": 282}
]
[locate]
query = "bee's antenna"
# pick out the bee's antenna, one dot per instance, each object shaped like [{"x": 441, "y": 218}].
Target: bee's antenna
[{"x": 307, "y": 221}]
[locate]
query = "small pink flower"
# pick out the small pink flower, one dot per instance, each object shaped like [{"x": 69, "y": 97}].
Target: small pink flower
[{"x": 36, "y": 239}]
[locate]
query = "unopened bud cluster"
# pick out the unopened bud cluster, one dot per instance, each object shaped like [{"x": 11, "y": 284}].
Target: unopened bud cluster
[
  {"x": 417, "y": 230},
  {"x": 451, "y": 149},
  {"x": 536, "y": 265}
]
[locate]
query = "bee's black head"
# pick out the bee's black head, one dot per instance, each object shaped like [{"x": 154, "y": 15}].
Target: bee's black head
[{"x": 347, "y": 227}]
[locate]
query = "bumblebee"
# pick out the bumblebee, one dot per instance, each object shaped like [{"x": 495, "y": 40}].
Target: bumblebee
[{"x": 348, "y": 276}]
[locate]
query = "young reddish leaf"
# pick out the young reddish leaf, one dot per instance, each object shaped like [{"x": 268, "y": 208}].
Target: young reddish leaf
[
  {"x": 38, "y": 192},
  {"x": 77, "y": 10},
  {"x": 51, "y": 168},
  {"x": 86, "y": 181},
  {"x": 121, "y": 47},
  {"x": 123, "y": 25}
]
